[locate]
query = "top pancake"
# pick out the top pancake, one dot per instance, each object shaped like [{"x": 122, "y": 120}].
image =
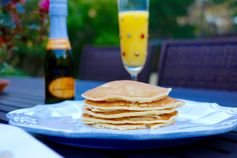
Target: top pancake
[{"x": 126, "y": 90}]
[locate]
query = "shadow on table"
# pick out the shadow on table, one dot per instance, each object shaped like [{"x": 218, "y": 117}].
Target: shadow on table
[{"x": 215, "y": 146}]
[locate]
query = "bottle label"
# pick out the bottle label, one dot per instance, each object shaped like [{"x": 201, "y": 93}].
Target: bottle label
[
  {"x": 58, "y": 44},
  {"x": 62, "y": 87}
]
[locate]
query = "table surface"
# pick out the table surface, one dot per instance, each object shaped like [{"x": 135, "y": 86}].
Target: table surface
[{"x": 27, "y": 92}]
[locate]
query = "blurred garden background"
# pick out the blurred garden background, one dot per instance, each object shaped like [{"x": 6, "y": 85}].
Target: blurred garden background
[{"x": 24, "y": 26}]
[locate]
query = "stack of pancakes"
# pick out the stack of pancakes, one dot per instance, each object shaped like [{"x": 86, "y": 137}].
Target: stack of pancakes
[{"x": 125, "y": 105}]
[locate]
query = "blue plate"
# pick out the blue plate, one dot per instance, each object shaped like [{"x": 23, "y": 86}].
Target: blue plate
[{"x": 62, "y": 123}]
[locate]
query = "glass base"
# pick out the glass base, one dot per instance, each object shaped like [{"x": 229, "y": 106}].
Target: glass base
[{"x": 133, "y": 70}]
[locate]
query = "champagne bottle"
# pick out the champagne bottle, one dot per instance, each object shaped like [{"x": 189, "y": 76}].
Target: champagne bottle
[{"x": 59, "y": 77}]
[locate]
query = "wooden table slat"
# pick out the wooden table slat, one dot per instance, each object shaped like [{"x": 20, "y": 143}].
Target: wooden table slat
[
  {"x": 22, "y": 98},
  {"x": 28, "y": 92},
  {"x": 5, "y": 100},
  {"x": 7, "y": 108},
  {"x": 140, "y": 153},
  {"x": 221, "y": 145},
  {"x": 3, "y": 117},
  {"x": 193, "y": 152},
  {"x": 27, "y": 95},
  {"x": 231, "y": 137},
  {"x": 18, "y": 105}
]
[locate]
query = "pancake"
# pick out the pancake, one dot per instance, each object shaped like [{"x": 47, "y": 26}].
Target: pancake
[
  {"x": 126, "y": 90},
  {"x": 127, "y": 113},
  {"x": 130, "y": 126},
  {"x": 129, "y": 105},
  {"x": 166, "y": 103},
  {"x": 165, "y": 118}
]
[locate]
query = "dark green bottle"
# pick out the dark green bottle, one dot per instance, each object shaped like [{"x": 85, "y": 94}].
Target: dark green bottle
[{"x": 59, "y": 77}]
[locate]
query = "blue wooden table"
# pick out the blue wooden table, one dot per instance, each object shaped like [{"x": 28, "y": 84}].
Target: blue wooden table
[{"x": 27, "y": 92}]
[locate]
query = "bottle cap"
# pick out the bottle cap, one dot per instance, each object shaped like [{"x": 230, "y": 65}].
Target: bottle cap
[{"x": 58, "y": 7}]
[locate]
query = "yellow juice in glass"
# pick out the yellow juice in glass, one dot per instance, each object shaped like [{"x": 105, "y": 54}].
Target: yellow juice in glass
[{"x": 133, "y": 28}]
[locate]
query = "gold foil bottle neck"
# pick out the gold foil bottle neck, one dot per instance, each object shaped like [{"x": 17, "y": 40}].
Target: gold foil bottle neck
[{"x": 58, "y": 44}]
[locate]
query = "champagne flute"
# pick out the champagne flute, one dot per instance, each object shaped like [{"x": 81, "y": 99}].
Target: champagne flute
[{"x": 133, "y": 29}]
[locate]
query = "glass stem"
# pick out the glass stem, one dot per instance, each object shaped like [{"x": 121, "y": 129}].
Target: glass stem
[{"x": 134, "y": 77}]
